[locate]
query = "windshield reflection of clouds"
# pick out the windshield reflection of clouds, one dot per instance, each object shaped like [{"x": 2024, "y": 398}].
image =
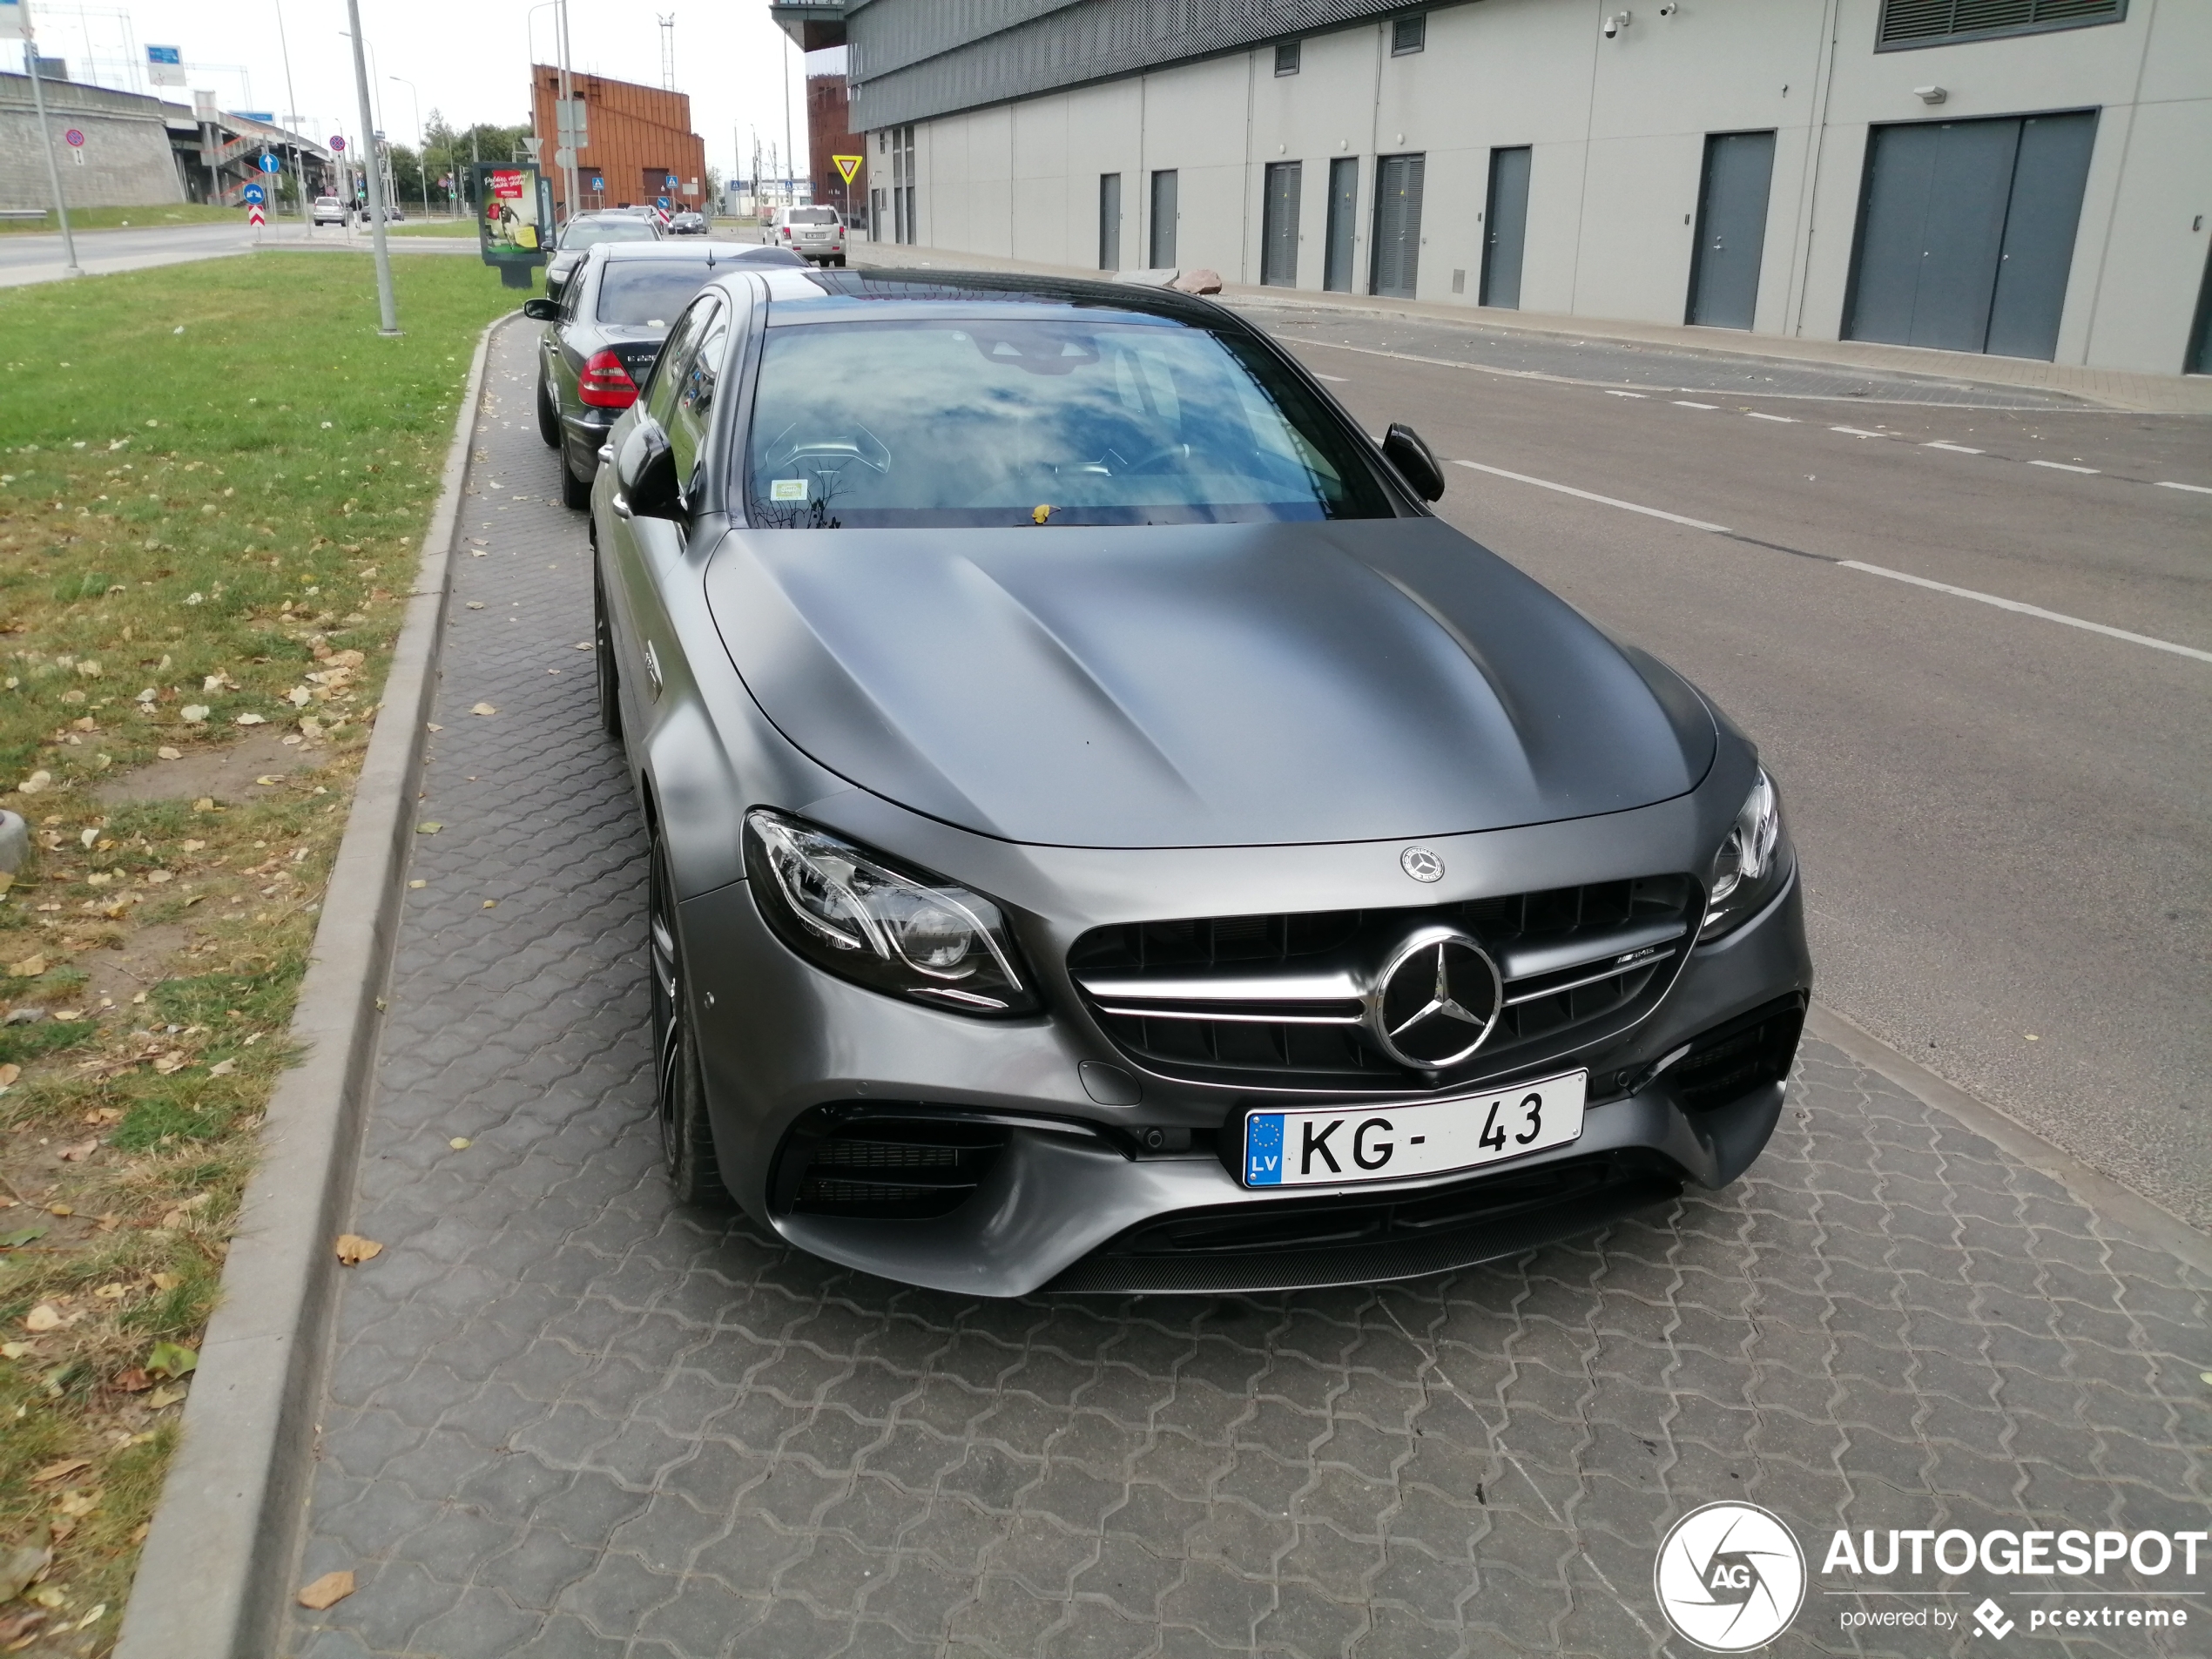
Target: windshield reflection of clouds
[{"x": 991, "y": 422}]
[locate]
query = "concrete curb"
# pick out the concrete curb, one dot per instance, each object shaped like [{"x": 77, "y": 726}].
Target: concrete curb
[
  {"x": 2099, "y": 1194},
  {"x": 210, "y": 1581}
]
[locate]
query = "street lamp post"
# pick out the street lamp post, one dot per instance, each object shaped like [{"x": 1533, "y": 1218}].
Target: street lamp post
[
  {"x": 46, "y": 144},
  {"x": 421, "y": 144}
]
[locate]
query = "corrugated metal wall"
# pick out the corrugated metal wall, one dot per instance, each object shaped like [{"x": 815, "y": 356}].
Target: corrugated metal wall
[{"x": 913, "y": 59}]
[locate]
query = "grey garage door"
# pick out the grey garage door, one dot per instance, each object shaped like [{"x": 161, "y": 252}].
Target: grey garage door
[
  {"x": 1279, "y": 226},
  {"x": 1731, "y": 229},
  {"x": 1397, "y": 225},
  {"x": 1966, "y": 233}
]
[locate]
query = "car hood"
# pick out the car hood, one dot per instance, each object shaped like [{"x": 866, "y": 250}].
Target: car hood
[{"x": 1199, "y": 686}]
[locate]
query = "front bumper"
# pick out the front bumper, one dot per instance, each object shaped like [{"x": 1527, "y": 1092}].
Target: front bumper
[{"x": 1074, "y": 1200}]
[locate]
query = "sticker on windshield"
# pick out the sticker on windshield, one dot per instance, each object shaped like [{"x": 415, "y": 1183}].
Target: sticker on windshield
[{"x": 787, "y": 489}]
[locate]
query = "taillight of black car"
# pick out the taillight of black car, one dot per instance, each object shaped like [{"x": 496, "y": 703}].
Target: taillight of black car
[{"x": 605, "y": 383}]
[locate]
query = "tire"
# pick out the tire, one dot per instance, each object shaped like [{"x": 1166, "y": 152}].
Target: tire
[
  {"x": 838, "y": 261},
  {"x": 679, "y": 1094},
  {"x": 548, "y": 419},
  {"x": 603, "y": 659},
  {"x": 576, "y": 493}
]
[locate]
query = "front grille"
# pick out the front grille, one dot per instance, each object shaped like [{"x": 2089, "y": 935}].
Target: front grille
[
  {"x": 882, "y": 1165},
  {"x": 1277, "y": 1000},
  {"x": 1729, "y": 1061}
]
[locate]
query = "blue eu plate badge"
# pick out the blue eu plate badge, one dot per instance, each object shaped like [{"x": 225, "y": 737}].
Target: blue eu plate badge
[{"x": 1264, "y": 1150}]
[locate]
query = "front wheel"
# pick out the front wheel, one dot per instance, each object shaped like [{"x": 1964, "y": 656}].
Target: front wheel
[{"x": 679, "y": 1094}]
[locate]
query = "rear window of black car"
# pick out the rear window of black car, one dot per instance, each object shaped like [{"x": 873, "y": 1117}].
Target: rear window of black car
[
  {"x": 1049, "y": 420},
  {"x": 584, "y": 232},
  {"x": 649, "y": 293}
]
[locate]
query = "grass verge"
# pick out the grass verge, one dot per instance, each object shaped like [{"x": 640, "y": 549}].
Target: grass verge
[
  {"x": 150, "y": 218},
  {"x": 435, "y": 227},
  {"x": 213, "y": 482}
]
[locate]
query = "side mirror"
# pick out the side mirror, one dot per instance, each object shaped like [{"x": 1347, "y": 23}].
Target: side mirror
[
  {"x": 1415, "y": 460},
  {"x": 542, "y": 310},
  {"x": 645, "y": 469}
]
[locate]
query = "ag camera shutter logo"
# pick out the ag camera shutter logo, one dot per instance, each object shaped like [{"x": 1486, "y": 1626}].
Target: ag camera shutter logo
[{"x": 1730, "y": 1577}]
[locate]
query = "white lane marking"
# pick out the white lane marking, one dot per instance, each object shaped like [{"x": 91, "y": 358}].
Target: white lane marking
[
  {"x": 1955, "y": 449},
  {"x": 2031, "y": 610},
  {"x": 1611, "y": 393},
  {"x": 1339, "y": 379},
  {"x": 1753, "y": 414},
  {"x": 2060, "y": 466},
  {"x": 2199, "y": 490},
  {"x": 1606, "y": 501},
  {"x": 1858, "y": 432},
  {"x": 1684, "y": 403}
]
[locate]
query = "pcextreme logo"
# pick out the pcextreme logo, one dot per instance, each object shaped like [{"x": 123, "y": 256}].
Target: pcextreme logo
[{"x": 1730, "y": 1577}]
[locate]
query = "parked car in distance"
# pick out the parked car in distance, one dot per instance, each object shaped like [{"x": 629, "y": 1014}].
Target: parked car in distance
[
  {"x": 606, "y": 328},
  {"x": 588, "y": 231},
  {"x": 1107, "y": 833},
  {"x": 816, "y": 233},
  {"x": 330, "y": 211},
  {"x": 687, "y": 223}
]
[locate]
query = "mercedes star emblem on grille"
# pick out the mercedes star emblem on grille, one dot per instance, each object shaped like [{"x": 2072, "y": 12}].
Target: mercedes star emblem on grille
[
  {"x": 1421, "y": 864},
  {"x": 1436, "y": 999}
]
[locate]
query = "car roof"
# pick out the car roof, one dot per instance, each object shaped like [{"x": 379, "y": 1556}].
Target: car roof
[
  {"x": 701, "y": 251},
  {"x": 803, "y": 296}
]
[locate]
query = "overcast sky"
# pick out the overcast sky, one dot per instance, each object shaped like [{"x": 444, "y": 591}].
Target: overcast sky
[{"x": 468, "y": 58}]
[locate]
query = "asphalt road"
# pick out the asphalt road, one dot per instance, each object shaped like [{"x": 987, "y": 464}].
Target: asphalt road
[
  {"x": 37, "y": 256},
  {"x": 2004, "y": 819}
]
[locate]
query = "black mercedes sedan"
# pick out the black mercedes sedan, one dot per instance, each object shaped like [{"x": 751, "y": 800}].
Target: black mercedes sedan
[
  {"x": 606, "y": 327},
  {"x": 1107, "y": 835}
]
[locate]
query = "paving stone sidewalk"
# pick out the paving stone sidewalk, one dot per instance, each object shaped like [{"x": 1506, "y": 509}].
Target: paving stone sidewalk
[{"x": 567, "y": 1418}]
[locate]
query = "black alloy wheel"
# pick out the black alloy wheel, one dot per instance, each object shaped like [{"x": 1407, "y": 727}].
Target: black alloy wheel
[
  {"x": 679, "y": 1096},
  {"x": 603, "y": 659},
  {"x": 548, "y": 419}
]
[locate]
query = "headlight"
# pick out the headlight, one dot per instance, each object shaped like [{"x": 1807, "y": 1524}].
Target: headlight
[
  {"x": 863, "y": 917},
  {"x": 1752, "y": 864}
]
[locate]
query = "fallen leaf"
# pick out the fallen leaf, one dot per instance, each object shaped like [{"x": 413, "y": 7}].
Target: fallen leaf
[
  {"x": 353, "y": 1249},
  {"x": 93, "y": 1617},
  {"x": 44, "y": 1316},
  {"x": 430, "y": 828},
  {"x": 172, "y": 1359},
  {"x": 268, "y": 778},
  {"x": 54, "y": 1472},
  {"x": 133, "y": 1381},
  {"x": 21, "y": 1565},
  {"x": 252, "y": 718},
  {"x": 36, "y": 782},
  {"x": 205, "y": 804},
  {"x": 169, "y": 1063},
  {"x": 581, "y": 645},
  {"x": 30, "y": 967},
  {"x": 475, "y": 605},
  {"x": 434, "y": 726},
  {"x": 418, "y": 882},
  {"x": 78, "y": 1505},
  {"x": 166, "y": 1281},
  {"x": 9, "y": 1073},
  {"x": 112, "y": 1291},
  {"x": 162, "y": 1398},
  {"x": 61, "y": 1210},
  {"x": 489, "y": 903},
  {"x": 461, "y": 1142},
  {"x": 328, "y": 1591},
  {"x": 79, "y": 1152},
  {"x": 20, "y": 1237},
  {"x": 222, "y": 1069},
  {"x": 168, "y": 753},
  {"x": 483, "y": 708}
]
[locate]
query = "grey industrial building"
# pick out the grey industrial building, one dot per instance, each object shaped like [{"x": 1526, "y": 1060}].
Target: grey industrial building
[{"x": 2028, "y": 178}]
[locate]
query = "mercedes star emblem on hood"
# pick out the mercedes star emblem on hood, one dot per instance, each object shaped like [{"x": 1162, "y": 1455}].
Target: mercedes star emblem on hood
[{"x": 1436, "y": 999}]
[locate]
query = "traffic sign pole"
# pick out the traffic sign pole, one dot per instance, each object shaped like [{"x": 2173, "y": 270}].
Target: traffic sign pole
[{"x": 388, "y": 310}]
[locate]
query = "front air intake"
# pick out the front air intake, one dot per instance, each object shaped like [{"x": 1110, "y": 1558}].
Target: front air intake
[
  {"x": 889, "y": 1167},
  {"x": 1729, "y": 1061}
]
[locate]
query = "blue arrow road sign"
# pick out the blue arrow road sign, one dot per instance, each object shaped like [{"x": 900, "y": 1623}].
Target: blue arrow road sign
[
  {"x": 661, "y": 202},
  {"x": 253, "y": 193},
  {"x": 270, "y": 164}
]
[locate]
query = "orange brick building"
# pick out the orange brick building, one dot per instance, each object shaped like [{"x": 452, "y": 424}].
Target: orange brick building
[
  {"x": 640, "y": 136},
  {"x": 829, "y": 132}
]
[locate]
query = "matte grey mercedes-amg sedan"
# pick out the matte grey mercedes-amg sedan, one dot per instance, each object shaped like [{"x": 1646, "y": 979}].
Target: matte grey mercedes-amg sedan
[{"x": 1107, "y": 835}]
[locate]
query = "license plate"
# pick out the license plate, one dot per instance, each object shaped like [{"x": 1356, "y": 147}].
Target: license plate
[{"x": 1340, "y": 1145}]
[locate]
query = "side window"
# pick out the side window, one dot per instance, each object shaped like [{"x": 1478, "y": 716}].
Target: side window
[
  {"x": 674, "y": 363},
  {"x": 695, "y": 396}
]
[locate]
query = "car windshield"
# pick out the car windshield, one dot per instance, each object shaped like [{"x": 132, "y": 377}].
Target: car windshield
[
  {"x": 1126, "y": 422},
  {"x": 649, "y": 293},
  {"x": 813, "y": 216},
  {"x": 583, "y": 232}
]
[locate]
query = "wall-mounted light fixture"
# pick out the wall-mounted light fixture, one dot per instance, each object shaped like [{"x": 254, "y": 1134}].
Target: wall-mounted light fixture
[{"x": 1929, "y": 94}]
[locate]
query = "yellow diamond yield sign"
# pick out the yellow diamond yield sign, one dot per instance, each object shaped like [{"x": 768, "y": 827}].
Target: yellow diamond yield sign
[{"x": 848, "y": 165}]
